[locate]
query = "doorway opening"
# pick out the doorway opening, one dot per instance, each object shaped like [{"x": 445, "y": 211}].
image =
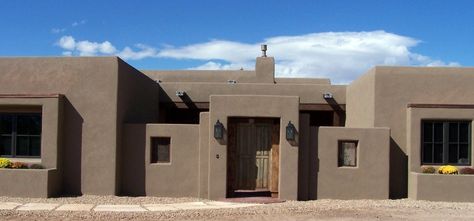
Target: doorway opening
[{"x": 253, "y": 157}]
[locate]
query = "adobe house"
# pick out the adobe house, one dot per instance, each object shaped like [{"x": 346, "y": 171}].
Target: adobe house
[{"x": 99, "y": 126}]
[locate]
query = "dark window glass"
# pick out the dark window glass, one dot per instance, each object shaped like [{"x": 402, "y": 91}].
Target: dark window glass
[
  {"x": 453, "y": 153},
  {"x": 6, "y": 125},
  {"x": 438, "y": 153},
  {"x": 20, "y": 135},
  {"x": 429, "y": 128},
  {"x": 438, "y": 132},
  {"x": 446, "y": 142},
  {"x": 453, "y": 132},
  {"x": 6, "y": 145},
  {"x": 464, "y": 132},
  {"x": 160, "y": 150},
  {"x": 428, "y": 153}
]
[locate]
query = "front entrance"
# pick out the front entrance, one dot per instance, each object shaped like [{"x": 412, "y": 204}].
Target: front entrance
[{"x": 253, "y": 151}]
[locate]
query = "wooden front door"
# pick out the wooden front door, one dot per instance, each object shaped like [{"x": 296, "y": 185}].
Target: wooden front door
[
  {"x": 253, "y": 155},
  {"x": 253, "y": 150}
]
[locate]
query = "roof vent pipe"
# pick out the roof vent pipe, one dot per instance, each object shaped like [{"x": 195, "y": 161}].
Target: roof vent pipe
[{"x": 264, "y": 50}]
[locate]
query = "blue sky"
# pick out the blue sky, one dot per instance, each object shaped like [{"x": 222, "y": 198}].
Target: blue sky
[{"x": 335, "y": 39}]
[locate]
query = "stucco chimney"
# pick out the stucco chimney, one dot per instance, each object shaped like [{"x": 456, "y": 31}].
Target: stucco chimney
[{"x": 265, "y": 67}]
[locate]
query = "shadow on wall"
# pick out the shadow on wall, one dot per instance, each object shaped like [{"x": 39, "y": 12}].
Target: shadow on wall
[
  {"x": 133, "y": 169},
  {"x": 72, "y": 150},
  {"x": 398, "y": 171},
  {"x": 307, "y": 160}
]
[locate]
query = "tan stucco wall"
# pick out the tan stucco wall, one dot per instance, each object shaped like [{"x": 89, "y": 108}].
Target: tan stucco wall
[
  {"x": 137, "y": 102},
  {"x": 90, "y": 86},
  {"x": 180, "y": 177},
  {"x": 284, "y": 107},
  {"x": 360, "y": 101},
  {"x": 369, "y": 179},
  {"x": 133, "y": 160},
  {"x": 29, "y": 182},
  {"x": 204, "y": 154},
  {"x": 394, "y": 88},
  {"x": 439, "y": 187}
]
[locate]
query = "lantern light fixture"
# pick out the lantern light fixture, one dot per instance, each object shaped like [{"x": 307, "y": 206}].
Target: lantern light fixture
[
  {"x": 290, "y": 132},
  {"x": 218, "y": 130}
]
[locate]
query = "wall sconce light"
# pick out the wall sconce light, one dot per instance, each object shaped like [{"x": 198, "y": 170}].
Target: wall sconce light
[
  {"x": 327, "y": 95},
  {"x": 290, "y": 132},
  {"x": 218, "y": 130}
]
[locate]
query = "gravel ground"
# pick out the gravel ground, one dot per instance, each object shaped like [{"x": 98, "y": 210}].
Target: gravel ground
[
  {"x": 291, "y": 210},
  {"x": 89, "y": 199}
]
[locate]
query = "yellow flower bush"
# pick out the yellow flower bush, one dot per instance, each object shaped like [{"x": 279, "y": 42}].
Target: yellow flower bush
[
  {"x": 448, "y": 169},
  {"x": 5, "y": 163}
]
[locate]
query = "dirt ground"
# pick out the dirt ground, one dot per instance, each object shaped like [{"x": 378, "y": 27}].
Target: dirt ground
[{"x": 310, "y": 210}]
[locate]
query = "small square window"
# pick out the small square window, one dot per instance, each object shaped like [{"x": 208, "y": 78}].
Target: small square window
[
  {"x": 160, "y": 150},
  {"x": 347, "y": 153}
]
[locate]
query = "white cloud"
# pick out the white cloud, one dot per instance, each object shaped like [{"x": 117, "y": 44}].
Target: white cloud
[
  {"x": 341, "y": 56},
  {"x": 67, "y": 42},
  {"x": 90, "y": 48},
  {"x": 143, "y": 51}
]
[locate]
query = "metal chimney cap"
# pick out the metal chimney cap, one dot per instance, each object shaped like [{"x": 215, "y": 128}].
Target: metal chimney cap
[{"x": 264, "y": 50}]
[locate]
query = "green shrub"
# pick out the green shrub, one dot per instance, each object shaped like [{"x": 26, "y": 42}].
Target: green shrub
[
  {"x": 428, "y": 169},
  {"x": 36, "y": 166},
  {"x": 467, "y": 170},
  {"x": 5, "y": 163},
  {"x": 18, "y": 165}
]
